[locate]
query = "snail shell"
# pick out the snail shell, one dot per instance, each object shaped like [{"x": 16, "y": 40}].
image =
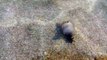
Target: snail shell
[{"x": 67, "y": 28}]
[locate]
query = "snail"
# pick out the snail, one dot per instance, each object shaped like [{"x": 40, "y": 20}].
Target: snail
[{"x": 68, "y": 30}]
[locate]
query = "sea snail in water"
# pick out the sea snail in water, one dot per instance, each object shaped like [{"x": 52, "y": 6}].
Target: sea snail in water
[
  {"x": 67, "y": 28},
  {"x": 68, "y": 31}
]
